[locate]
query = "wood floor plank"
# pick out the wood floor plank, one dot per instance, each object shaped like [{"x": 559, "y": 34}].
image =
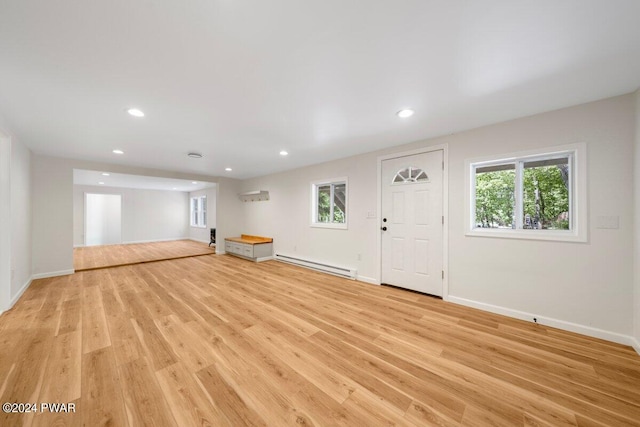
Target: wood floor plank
[
  {"x": 189, "y": 403},
  {"x": 95, "y": 333},
  {"x": 62, "y": 379},
  {"x": 69, "y": 316},
  {"x": 216, "y": 340},
  {"x": 250, "y": 383},
  {"x": 335, "y": 385},
  {"x": 226, "y": 397},
  {"x": 155, "y": 346},
  {"x": 186, "y": 344},
  {"x": 25, "y": 376},
  {"x": 102, "y": 403},
  {"x": 124, "y": 339},
  {"x": 144, "y": 400}
]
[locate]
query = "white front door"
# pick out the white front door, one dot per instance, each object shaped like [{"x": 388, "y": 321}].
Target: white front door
[{"x": 412, "y": 222}]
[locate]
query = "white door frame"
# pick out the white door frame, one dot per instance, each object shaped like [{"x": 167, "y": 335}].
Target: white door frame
[{"x": 445, "y": 210}]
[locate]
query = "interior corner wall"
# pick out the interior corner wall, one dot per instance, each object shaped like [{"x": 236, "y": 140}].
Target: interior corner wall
[
  {"x": 229, "y": 213},
  {"x": 52, "y": 203},
  {"x": 21, "y": 259},
  {"x": 579, "y": 286},
  {"x": 203, "y": 234},
  {"x": 636, "y": 257},
  {"x": 5, "y": 222},
  {"x": 15, "y": 218},
  {"x": 146, "y": 216}
]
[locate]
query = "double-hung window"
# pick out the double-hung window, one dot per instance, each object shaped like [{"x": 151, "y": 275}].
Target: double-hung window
[
  {"x": 534, "y": 195},
  {"x": 199, "y": 211},
  {"x": 329, "y": 203}
]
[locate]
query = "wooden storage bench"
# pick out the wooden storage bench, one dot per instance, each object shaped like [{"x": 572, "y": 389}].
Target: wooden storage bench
[{"x": 254, "y": 248}]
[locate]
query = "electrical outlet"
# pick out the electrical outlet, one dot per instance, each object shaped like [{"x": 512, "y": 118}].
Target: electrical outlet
[
  {"x": 359, "y": 257},
  {"x": 295, "y": 248}
]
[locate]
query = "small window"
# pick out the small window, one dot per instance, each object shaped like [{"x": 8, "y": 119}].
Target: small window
[
  {"x": 329, "y": 203},
  {"x": 530, "y": 196},
  {"x": 199, "y": 211},
  {"x": 410, "y": 175}
]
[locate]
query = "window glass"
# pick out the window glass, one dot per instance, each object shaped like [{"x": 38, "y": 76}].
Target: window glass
[
  {"x": 199, "y": 211},
  {"x": 495, "y": 196},
  {"x": 546, "y": 194},
  {"x": 526, "y": 194},
  {"x": 324, "y": 203},
  {"x": 339, "y": 202}
]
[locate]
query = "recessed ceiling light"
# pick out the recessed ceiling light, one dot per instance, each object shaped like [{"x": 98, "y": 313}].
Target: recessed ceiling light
[
  {"x": 118, "y": 152},
  {"x": 135, "y": 112},
  {"x": 405, "y": 113},
  {"x": 194, "y": 182},
  {"x": 105, "y": 174},
  {"x": 195, "y": 155},
  {"x": 101, "y": 183},
  {"x": 284, "y": 153},
  {"x": 228, "y": 169},
  {"x": 174, "y": 188}
]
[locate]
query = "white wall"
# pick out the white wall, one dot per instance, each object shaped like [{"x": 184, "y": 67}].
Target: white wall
[
  {"x": 20, "y": 218},
  {"x": 5, "y": 222},
  {"x": 586, "y": 284},
  {"x": 636, "y": 257},
  {"x": 229, "y": 221},
  {"x": 287, "y": 215},
  {"x": 203, "y": 234},
  {"x": 147, "y": 215},
  {"x": 52, "y": 203},
  {"x": 15, "y": 218}
]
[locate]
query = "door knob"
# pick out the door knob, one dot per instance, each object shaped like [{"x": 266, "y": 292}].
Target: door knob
[{"x": 383, "y": 228}]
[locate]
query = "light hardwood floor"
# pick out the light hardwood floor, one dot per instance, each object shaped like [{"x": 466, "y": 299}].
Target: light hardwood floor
[
  {"x": 216, "y": 340},
  {"x": 92, "y": 257}
]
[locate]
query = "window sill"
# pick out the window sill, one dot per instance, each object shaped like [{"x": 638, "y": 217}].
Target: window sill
[
  {"x": 198, "y": 226},
  {"x": 329, "y": 225},
  {"x": 548, "y": 235}
]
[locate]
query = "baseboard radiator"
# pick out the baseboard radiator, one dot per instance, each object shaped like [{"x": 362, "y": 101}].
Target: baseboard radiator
[{"x": 350, "y": 273}]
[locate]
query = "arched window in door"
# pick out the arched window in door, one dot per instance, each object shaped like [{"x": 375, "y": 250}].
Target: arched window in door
[{"x": 410, "y": 175}]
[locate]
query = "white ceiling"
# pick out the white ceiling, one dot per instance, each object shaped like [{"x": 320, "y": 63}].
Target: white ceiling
[
  {"x": 240, "y": 80},
  {"x": 121, "y": 180}
]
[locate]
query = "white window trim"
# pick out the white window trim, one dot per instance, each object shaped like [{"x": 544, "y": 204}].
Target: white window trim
[
  {"x": 578, "y": 194},
  {"x": 314, "y": 207},
  {"x": 200, "y": 211}
]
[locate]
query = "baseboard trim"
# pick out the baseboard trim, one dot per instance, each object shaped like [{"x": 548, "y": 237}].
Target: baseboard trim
[
  {"x": 369, "y": 280},
  {"x": 635, "y": 344},
  {"x": 17, "y": 296},
  {"x": 547, "y": 321},
  {"x": 199, "y": 240},
  {"x": 52, "y": 274},
  {"x": 172, "y": 239}
]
